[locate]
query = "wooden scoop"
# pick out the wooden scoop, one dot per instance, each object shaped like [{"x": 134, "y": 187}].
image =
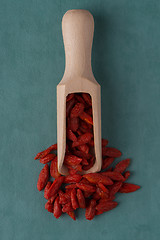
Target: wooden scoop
[{"x": 77, "y": 29}]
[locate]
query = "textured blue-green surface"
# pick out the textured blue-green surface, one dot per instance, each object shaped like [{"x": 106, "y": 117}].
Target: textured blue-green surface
[{"x": 126, "y": 62}]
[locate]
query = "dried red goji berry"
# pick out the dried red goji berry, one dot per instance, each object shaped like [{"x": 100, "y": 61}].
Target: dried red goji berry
[
  {"x": 89, "y": 111},
  {"x": 115, "y": 188},
  {"x": 82, "y": 154},
  {"x": 129, "y": 187},
  {"x": 91, "y": 163},
  {"x": 72, "y": 215},
  {"x": 55, "y": 186},
  {"x": 91, "y": 143},
  {"x": 85, "y": 127},
  {"x": 73, "y": 178},
  {"x": 47, "y": 158},
  {"x": 87, "y": 194},
  {"x": 67, "y": 194},
  {"x": 84, "y": 162},
  {"x": 91, "y": 210},
  {"x": 62, "y": 198},
  {"x": 57, "y": 211},
  {"x": 97, "y": 177},
  {"x": 71, "y": 186},
  {"x": 72, "y": 160},
  {"x": 86, "y": 187},
  {"x": 46, "y": 152},
  {"x": 111, "y": 152},
  {"x": 84, "y": 148},
  {"x": 81, "y": 199},
  {"x": 74, "y": 168},
  {"x": 69, "y": 97},
  {"x": 122, "y": 165},
  {"x": 106, "y": 206},
  {"x": 73, "y": 124},
  {"x": 126, "y": 175},
  {"x": 54, "y": 169},
  {"x": 107, "y": 162},
  {"x": 69, "y": 106},
  {"x": 43, "y": 178},
  {"x": 80, "y": 99},
  {"x": 100, "y": 194},
  {"x": 77, "y": 110},
  {"x": 86, "y": 117},
  {"x": 87, "y": 98},
  {"x": 104, "y": 189},
  {"x": 67, "y": 207},
  {"x": 72, "y": 171},
  {"x": 104, "y": 142},
  {"x": 46, "y": 188},
  {"x": 85, "y": 138},
  {"x": 49, "y": 206},
  {"x": 116, "y": 176},
  {"x": 71, "y": 136},
  {"x": 74, "y": 200}
]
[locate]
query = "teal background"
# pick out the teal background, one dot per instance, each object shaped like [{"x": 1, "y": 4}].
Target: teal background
[{"x": 126, "y": 62}]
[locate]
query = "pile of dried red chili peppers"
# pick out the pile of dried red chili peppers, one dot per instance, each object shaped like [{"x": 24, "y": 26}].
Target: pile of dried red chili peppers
[{"x": 94, "y": 191}]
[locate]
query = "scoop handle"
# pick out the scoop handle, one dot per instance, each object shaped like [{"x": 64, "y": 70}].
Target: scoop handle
[{"x": 77, "y": 30}]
